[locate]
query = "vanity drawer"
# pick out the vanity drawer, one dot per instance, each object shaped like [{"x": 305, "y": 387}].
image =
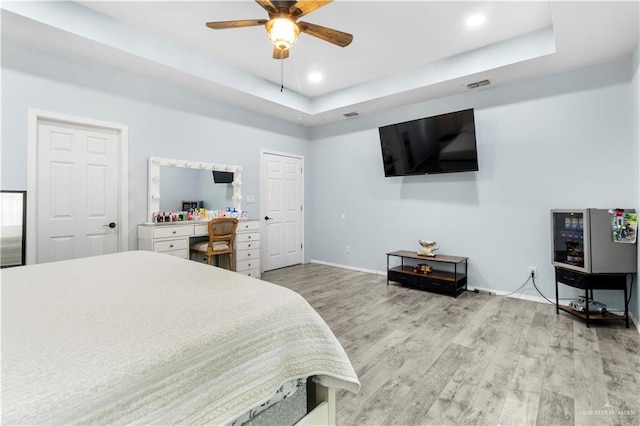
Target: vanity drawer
[
  {"x": 178, "y": 253},
  {"x": 172, "y": 231},
  {"x": 248, "y": 226},
  {"x": 249, "y": 236},
  {"x": 201, "y": 230},
  {"x": 247, "y": 254},
  {"x": 244, "y": 265},
  {"x": 255, "y": 273},
  {"x": 170, "y": 245},
  {"x": 247, "y": 245}
]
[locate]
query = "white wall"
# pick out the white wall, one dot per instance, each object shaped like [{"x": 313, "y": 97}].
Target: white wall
[
  {"x": 569, "y": 140},
  {"x": 163, "y": 121},
  {"x": 563, "y": 141}
]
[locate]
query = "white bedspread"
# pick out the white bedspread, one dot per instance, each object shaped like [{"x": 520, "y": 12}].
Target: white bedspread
[{"x": 147, "y": 338}]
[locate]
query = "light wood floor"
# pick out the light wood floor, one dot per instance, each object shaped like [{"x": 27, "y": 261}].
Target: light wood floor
[{"x": 428, "y": 359}]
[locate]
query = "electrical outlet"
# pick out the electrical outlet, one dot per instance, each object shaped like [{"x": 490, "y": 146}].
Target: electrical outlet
[
  {"x": 348, "y": 250},
  {"x": 533, "y": 271}
]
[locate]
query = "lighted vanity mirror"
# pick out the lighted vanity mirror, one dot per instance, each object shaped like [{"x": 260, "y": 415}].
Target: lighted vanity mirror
[
  {"x": 182, "y": 185},
  {"x": 173, "y": 181}
]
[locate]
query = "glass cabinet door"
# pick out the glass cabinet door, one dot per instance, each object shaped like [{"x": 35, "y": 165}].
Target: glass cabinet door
[{"x": 568, "y": 238}]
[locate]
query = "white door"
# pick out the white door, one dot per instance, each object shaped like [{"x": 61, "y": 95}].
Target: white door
[
  {"x": 77, "y": 191},
  {"x": 282, "y": 203}
]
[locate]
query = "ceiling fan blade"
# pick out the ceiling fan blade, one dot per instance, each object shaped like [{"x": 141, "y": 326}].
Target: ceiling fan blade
[
  {"x": 222, "y": 25},
  {"x": 280, "y": 53},
  {"x": 302, "y": 7},
  {"x": 336, "y": 37},
  {"x": 268, "y": 6}
]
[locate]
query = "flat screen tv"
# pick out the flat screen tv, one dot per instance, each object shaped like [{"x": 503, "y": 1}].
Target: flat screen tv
[
  {"x": 440, "y": 144},
  {"x": 222, "y": 177}
]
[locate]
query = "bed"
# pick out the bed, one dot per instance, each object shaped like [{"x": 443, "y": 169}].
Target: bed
[{"x": 146, "y": 338}]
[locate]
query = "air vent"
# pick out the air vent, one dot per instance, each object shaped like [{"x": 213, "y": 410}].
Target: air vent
[
  {"x": 351, "y": 114},
  {"x": 478, "y": 84}
]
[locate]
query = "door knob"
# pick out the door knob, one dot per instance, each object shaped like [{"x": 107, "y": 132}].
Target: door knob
[
  {"x": 111, "y": 225},
  {"x": 268, "y": 218}
]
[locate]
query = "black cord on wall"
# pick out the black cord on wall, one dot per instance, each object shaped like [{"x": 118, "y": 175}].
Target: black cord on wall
[
  {"x": 520, "y": 288},
  {"x": 533, "y": 280},
  {"x": 538, "y": 290}
]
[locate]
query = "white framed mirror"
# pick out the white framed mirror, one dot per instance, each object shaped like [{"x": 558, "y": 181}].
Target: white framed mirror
[{"x": 155, "y": 164}]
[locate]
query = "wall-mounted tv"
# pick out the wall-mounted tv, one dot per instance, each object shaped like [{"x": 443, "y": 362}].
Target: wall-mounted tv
[
  {"x": 440, "y": 144},
  {"x": 222, "y": 177}
]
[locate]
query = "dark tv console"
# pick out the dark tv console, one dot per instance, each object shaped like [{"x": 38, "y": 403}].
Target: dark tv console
[{"x": 453, "y": 282}]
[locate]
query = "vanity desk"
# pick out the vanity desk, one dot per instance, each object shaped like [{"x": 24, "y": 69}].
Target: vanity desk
[{"x": 174, "y": 237}]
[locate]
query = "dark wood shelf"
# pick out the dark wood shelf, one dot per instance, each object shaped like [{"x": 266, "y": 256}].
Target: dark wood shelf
[
  {"x": 435, "y": 273},
  {"x": 442, "y": 258},
  {"x": 593, "y": 316},
  {"x": 452, "y": 283}
]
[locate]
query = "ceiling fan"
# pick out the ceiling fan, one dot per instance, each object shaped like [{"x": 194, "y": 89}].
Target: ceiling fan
[{"x": 283, "y": 27}]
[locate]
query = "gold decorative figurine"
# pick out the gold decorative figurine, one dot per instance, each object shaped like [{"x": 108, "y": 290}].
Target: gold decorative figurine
[{"x": 427, "y": 248}]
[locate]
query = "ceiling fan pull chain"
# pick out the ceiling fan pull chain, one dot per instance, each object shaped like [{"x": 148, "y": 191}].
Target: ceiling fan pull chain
[{"x": 281, "y": 74}]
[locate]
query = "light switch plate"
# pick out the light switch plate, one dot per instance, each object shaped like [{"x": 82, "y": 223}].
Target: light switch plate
[{"x": 251, "y": 199}]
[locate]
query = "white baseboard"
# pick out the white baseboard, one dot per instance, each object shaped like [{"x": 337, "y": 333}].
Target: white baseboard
[
  {"x": 531, "y": 298},
  {"x": 351, "y": 268},
  {"x": 490, "y": 291}
]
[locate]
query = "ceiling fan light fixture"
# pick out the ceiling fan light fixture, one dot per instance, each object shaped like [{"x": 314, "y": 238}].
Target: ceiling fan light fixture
[{"x": 283, "y": 32}]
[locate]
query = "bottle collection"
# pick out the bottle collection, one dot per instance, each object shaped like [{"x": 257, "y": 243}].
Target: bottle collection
[
  {"x": 573, "y": 235},
  {"x": 573, "y": 228},
  {"x": 197, "y": 214}
]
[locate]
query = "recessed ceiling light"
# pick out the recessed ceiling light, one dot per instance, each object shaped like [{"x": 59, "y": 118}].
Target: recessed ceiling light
[
  {"x": 476, "y": 20},
  {"x": 315, "y": 77}
]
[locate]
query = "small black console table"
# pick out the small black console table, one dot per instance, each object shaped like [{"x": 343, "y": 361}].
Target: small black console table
[
  {"x": 588, "y": 283},
  {"x": 452, "y": 282}
]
